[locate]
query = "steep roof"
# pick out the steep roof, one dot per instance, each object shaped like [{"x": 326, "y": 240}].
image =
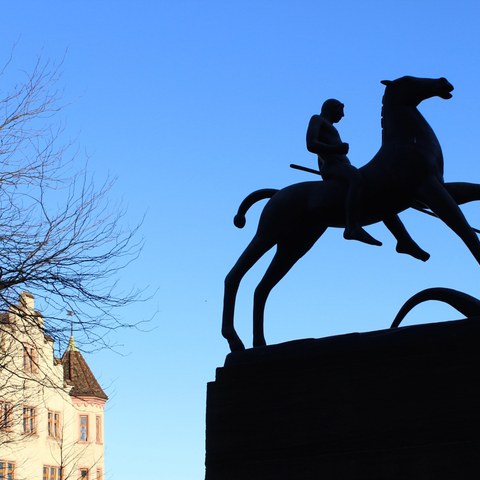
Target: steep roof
[{"x": 77, "y": 373}]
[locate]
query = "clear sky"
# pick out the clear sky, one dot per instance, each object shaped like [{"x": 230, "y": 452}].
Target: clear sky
[{"x": 193, "y": 105}]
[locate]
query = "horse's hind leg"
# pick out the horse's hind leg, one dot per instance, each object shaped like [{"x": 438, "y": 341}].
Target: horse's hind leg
[
  {"x": 285, "y": 257},
  {"x": 254, "y": 251}
]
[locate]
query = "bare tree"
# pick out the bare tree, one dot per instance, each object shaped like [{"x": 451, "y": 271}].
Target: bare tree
[{"x": 60, "y": 239}]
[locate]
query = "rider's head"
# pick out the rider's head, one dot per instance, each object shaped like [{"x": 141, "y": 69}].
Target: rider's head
[{"x": 332, "y": 109}]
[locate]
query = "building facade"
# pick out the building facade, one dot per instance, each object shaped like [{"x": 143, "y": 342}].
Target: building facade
[{"x": 51, "y": 409}]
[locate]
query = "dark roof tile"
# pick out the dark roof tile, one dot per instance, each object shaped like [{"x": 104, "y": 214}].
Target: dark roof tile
[{"x": 77, "y": 373}]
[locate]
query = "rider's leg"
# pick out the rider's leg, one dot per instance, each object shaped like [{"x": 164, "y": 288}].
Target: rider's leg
[
  {"x": 354, "y": 230},
  {"x": 405, "y": 243}
]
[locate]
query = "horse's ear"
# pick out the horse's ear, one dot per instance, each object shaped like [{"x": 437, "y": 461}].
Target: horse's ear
[{"x": 386, "y": 82}]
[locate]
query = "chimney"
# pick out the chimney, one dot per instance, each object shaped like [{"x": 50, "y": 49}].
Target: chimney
[{"x": 27, "y": 301}]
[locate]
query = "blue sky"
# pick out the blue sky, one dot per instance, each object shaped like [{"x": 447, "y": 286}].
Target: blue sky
[{"x": 192, "y": 105}]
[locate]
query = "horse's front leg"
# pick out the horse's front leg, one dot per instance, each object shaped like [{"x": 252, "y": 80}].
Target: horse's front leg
[
  {"x": 463, "y": 192},
  {"x": 436, "y": 196}
]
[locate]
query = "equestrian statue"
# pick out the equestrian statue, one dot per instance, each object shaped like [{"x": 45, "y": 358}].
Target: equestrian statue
[{"x": 406, "y": 172}]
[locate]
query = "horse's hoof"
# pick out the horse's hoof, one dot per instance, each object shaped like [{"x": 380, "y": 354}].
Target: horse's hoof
[
  {"x": 236, "y": 345},
  {"x": 237, "y": 348},
  {"x": 259, "y": 343}
]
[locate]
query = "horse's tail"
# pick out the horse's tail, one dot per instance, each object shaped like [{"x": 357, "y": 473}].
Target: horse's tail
[
  {"x": 239, "y": 220},
  {"x": 464, "y": 303}
]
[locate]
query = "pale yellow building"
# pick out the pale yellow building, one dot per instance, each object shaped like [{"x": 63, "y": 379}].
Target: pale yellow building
[{"x": 51, "y": 409}]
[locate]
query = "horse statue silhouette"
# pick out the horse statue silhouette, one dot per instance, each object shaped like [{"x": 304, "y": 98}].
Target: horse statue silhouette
[{"x": 406, "y": 172}]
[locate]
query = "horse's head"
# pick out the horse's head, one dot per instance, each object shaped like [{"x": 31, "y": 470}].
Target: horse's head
[{"x": 412, "y": 90}]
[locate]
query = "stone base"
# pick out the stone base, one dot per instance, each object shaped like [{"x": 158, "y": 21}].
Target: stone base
[{"x": 392, "y": 404}]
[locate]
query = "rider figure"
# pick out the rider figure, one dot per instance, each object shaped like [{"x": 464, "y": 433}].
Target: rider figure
[{"x": 324, "y": 140}]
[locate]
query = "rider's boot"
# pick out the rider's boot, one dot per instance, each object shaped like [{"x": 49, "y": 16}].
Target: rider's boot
[
  {"x": 358, "y": 233},
  {"x": 412, "y": 248}
]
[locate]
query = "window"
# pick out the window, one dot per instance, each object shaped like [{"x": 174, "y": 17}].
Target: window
[
  {"x": 98, "y": 429},
  {"x": 83, "y": 428},
  {"x": 7, "y": 470},
  {"x": 84, "y": 474},
  {"x": 54, "y": 424},
  {"x": 29, "y": 418},
  {"x": 29, "y": 359},
  {"x": 99, "y": 474},
  {"x": 6, "y": 410},
  {"x": 52, "y": 473}
]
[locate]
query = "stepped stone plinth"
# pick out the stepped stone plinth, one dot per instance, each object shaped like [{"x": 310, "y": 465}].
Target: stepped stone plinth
[{"x": 390, "y": 404}]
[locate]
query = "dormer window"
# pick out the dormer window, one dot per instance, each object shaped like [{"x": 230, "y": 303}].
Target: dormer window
[{"x": 30, "y": 359}]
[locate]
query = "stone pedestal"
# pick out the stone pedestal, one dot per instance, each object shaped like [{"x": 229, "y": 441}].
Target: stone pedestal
[{"x": 392, "y": 404}]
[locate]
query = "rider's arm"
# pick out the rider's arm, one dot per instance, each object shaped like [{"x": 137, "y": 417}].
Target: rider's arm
[{"x": 315, "y": 136}]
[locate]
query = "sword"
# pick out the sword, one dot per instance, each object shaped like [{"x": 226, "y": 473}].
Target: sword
[{"x": 304, "y": 169}]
